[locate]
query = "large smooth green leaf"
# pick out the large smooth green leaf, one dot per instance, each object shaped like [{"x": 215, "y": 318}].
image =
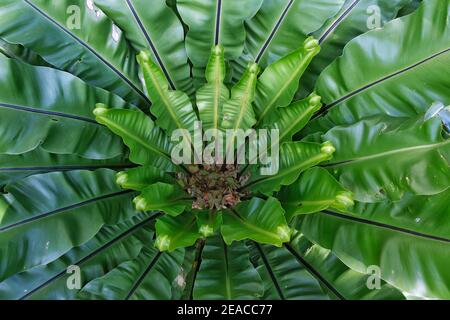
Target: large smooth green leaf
[
  {"x": 213, "y": 22},
  {"x": 226, "y": 273},
  {"x": 415, "y": 262},
  {"x": 401, "y": 69},
  {"x": 52, "y": 109},
  {"x": 212, "y": 96},
  {"x": 315, "y": 190},
  {"x": 294, "y": 158},
  {"x": 422, "y": 214},
  {"x": 173, "y": 109},
  {"x": 75, "y": 36},
  {"x": 382, "y": 157},
  {"x": 279, "y": 82},
  {"x": 148, "y": 277},
  {"x": 280, "y": 26},
  {"x": 108, "y": 249},
  {"x": 176, "y": 232},
  {"x": 16, "y": 167},
  {"x": 157, "y": 30},
  {"x": 337, "y": 279},
  {"x": 283, "y": 276},
  {"x": 257, "y": 219},
  {"x": 355, "y": 17},
  {"x": 148, "y": 144},
  {"x": 169, "y": 198},
  {"x": 38, "y": 224}
]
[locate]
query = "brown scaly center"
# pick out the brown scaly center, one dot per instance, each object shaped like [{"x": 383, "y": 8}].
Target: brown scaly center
[{"x": 214, "y": 186}]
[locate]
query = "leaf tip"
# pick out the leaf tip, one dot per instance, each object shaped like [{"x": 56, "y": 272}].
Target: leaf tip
[
  {"x": 140, "y": 203},
  {"x": 315, "y": 100},
  {"x": 284, "y": 232},
  {"x": 327, "y": 148},
  {"x": 217, "y": 50},
  {"x": 311, "y": 44},
  {"x": 100, "y": 109},
  {"x": 162, "y": 243},
  {"x": 121, "y": 178},
  {"x": 206, "y": 230},
  {"x": 143, "y": 57},
  {"x": 344, "y": 200}
]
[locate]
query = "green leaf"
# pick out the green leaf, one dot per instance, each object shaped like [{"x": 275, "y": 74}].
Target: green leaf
[
  {"x": 173, "y": 109},
  {"x": 423, "y": 214},
  {"x": 141, "y": 177},
  {"x": 109, "y": 248},
  {"x": 226, "y": 273},
  {"x": 257, "y": 219},
  {"x": 20, "y": 53},
  {"x": 213, "y": 22},
  {"x": 158, "y": 31},
  {"x": 294, "y": 158},
  {"x": 382, "y": 157},
  {"x": 17, "y": 167},
  {"x": 148, "y": 144},
  {"x": 294, "y": 117},
  {"x": 52, "y": 109},
  {"x": 176, "y": 232},
  {"x": 409, "y": 7},
  {"x": 238, "y": 111},
  {"x": 148, "y": 277},
  {"x": 315, "y": 190},
  {"x": 212, "y": 96},
  {"x": 337, "y": 279},
  {"x": 415, "y": 262},
  {"x": 280, "y": 25},
  {"x": 34, "y": 208},
  {"x": 165, "y": 197},
  {"x": 283, "y": 276},
  {"x": 279, "y": 82},
  {"x": 399, "y": 70},
  {"x": 354, "y": 18},
  {"x": 90, "y": 47}
]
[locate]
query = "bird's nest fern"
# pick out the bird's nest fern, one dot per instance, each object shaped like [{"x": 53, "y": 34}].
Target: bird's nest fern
[{"x": 202, "y": 196}]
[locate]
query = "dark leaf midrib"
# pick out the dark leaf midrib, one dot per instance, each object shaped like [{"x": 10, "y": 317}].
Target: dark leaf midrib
[
  {"x": 350, "y": 95},
  {"x": 192, "y": 276},
  {"x": 48, "y": 112},
  {"x": 90, "y": 49},
  {"x": 63, "y": 209},
  {"x": 385, "y": 226},
  {"x": 338, "y": 21},
  {"x": 150, "y": 43},
  {"x": 274, "y": 30},
  {"x": 218, "y": 22},
  {"x": 147, "y": 270},
  {"x": 269, "y": 270},
  {"x": 313, "y": 271}
]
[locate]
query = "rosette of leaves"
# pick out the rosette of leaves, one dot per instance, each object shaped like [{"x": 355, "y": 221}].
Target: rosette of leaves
[{"x": 93, "y": 207}]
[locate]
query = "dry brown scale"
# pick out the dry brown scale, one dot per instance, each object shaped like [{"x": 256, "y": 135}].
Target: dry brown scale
[{"x": 214, "y": 186}]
